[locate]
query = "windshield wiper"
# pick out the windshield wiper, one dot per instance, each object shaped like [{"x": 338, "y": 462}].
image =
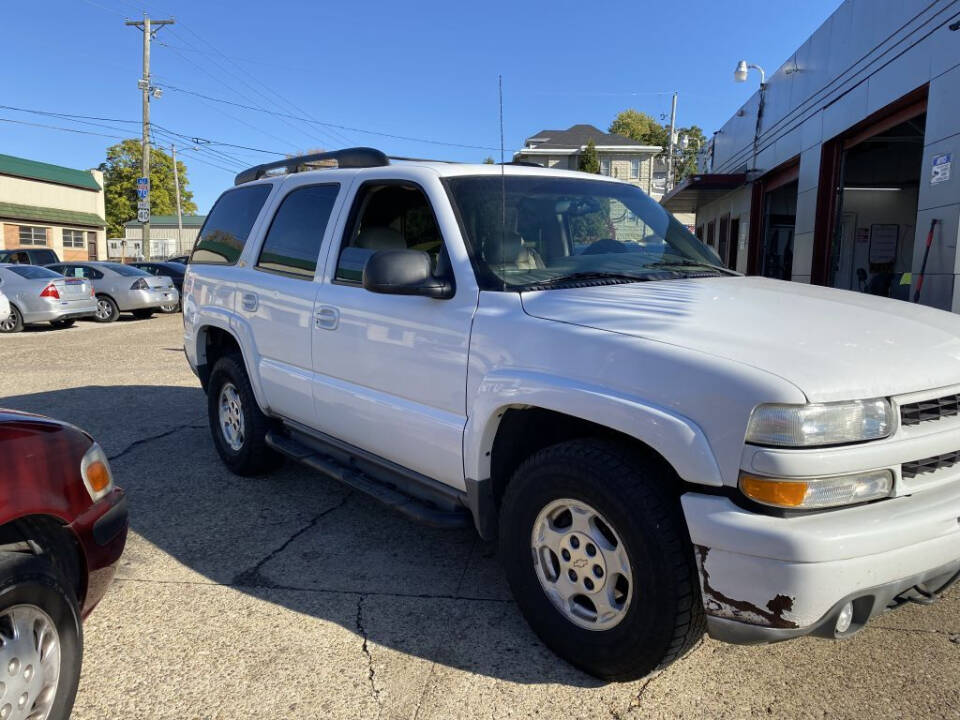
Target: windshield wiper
[
  {"x": 668, "y": 264},
  {"x": 586, "y": 277}
]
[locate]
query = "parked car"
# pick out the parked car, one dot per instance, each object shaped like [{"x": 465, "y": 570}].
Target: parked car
[
  {"x": 659, "y": 444},
  {"x": 37, "y": 294},
  {"x": 63, "y": 526},
  {"x": 29, "y": 256},
  {"x": 169, "y": 269},
  {"x": 4, "y": 307},
  {"x": 122, "y": 288},
  {"x": 181, "y": 259}
]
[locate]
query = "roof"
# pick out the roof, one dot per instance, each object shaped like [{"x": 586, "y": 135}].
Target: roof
[
  {"x": 188, "y": 221},
  {"x": 36, "y": 213},
  {"x": 698, "y": 190},
  {"x": 578, "y": 136},
  {"x": 44, "y": 172}
]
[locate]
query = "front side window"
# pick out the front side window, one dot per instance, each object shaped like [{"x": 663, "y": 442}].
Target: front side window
[
  {"x": 73, "y": 239},
  {"x": 227, "y": 226},
  {"x": 293, "y": 241},
  {"x": 393, "y": 216},
  {"x": 534, "y": 232},
  {"x": 30, "y": 235}
]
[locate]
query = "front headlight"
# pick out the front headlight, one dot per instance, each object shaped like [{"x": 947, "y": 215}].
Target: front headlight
[
  {"x": 96, "y": 474},
  {"x": 802, "y": 426},
  {"x": 817, "y": 493}
]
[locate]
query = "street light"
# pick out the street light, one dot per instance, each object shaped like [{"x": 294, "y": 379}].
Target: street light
[{"x": 743, "y": 69}]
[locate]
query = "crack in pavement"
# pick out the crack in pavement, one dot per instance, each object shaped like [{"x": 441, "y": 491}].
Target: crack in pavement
[
  {"x": 252, "y": 577},
  {"x": 371, "y": 676},
  {"x": 151, "y": 438}
]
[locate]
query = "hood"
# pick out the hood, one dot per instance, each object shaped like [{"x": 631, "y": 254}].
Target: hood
[{"x": 832, "y": 344}]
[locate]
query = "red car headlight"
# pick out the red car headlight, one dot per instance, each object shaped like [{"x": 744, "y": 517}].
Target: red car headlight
[{"x": 96, "y": 473}]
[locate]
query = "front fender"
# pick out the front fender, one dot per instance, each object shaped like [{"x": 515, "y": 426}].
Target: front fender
[{"x": 676, "y": 438}]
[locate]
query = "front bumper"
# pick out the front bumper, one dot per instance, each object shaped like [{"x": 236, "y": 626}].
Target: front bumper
[
  {"x": 102, "y": 534},
  {"x": 766, "y": 578}
]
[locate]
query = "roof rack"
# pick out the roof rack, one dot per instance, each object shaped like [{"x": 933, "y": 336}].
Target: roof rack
[{"x": 358, "y": 157}]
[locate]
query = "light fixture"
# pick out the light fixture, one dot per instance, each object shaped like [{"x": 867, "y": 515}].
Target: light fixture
[
  {"x": 744, "y": 68},
  {"x": 872, "y": 189}
]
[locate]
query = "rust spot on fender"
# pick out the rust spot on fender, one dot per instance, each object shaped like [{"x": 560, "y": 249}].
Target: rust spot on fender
[{"x": 717, "y": 602}]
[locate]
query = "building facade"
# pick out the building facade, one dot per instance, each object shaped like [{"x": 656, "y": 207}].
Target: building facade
[
  {"x": 60, "y": 208},
  {"x": 620, "y": 157},
  {"x": 166, "y": 239},
  {"x": 850, "y": 168}
]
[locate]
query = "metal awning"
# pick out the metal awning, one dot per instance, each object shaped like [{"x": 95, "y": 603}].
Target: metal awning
[{"x": 698, "y": 190}]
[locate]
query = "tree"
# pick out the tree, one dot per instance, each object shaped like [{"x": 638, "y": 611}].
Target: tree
[
  {"x": 640, "y": 127},
  {"x": 589, "y": 161},
  {"x": 120, "y": 172},
  {"x": 687, "y": 163},
  {"x": 489, "y": 161}
]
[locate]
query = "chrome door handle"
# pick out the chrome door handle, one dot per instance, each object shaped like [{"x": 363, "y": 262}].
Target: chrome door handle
[
  {"x": 326, "y": 318},
  {"x": 249, "y": 302}
]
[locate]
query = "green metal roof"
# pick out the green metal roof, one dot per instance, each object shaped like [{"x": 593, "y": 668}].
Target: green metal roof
[
  {"x": 10, "y": 211},
  {"x": 21, "y": 167},
  {"x": 188, "y": 220}
]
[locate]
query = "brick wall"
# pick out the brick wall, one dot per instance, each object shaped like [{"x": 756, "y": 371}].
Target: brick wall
[{"x": 11, "y": 236}]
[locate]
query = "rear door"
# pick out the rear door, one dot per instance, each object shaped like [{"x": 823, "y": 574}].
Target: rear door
[{"x": 278, "y": 290}]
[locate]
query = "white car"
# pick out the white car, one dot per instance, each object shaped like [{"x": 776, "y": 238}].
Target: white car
[
  {"x": 4, "y": 307},
  {"x": 660, "y": 445}
]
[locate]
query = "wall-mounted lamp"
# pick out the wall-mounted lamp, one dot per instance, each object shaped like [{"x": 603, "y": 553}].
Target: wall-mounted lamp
[{"x": 744, "y": 68}]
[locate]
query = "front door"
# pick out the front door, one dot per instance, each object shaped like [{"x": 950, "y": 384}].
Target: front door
[
  {"x": 391, "y": 370},
  {"x": 276, "y": 297}
]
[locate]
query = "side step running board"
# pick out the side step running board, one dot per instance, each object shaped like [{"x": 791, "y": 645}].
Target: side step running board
[{"x": 415, "y": 508}]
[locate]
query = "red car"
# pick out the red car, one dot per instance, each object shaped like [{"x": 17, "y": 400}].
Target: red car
[{"x": 63, "y": 525}]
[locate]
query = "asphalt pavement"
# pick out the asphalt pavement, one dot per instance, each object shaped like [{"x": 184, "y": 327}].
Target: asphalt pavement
[{"x": 288, "y": 596}]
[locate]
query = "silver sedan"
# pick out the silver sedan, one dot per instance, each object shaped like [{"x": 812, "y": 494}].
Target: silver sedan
[
  {"x": 122, "y": 288},
  {"x": 37, "y": 294}
]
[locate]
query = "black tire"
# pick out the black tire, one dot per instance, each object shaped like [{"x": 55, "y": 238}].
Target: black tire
[
  {"x": 633, "y": 494},
  {"x": 14, "y": 323},
  {"x": 107, "y": 310},
  {"x": 144, "y": 314},
  {"x": 62, "y": 323},
  {"x": 32, "y": 580},
  {"x": 254, "y": 457}
]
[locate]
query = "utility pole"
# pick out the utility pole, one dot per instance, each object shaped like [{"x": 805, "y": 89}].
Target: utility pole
[
  {"x": 149, "y": 29},
  {"x": 673, "y": 130},
  {"x": 176, "y": 187}
]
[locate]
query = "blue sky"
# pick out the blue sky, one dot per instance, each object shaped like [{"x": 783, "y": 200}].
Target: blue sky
[{"x": 424, "y": 70}]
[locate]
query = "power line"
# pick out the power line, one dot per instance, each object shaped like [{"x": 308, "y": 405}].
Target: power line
[
  {"x": 56, "y": 127},
  {"x": 334, "y": 125}
]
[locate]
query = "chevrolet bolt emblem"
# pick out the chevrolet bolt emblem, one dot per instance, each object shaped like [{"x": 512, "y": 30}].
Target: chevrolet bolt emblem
[{"x": 580, "y": 562}]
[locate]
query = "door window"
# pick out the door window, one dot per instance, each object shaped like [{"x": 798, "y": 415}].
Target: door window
[
  {"x": 394, "y": 216},
  {"x": 293, "y": 241}
]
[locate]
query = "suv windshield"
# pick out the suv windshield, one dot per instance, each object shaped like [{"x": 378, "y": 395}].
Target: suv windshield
[{"x": 537, "y": 232}]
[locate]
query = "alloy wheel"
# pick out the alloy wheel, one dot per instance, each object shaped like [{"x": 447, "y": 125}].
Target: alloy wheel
[
  {"x": 11, "y": 322},
  {"x": 29, "y": 663},
  {"x": 582, "y": 564},
  {"x": 231, "y": 418},
  {"x": 103, "y": 309}
]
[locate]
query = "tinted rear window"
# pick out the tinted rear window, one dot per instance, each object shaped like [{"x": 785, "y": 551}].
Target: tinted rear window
[
  {"x": 293, "y": 241},
  {"x": 33, "y": 272},
  {"x": 228, "y": 225},
  {"x": 125, "y": 270}
]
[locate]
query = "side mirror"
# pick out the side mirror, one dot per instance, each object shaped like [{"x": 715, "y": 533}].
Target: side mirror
[{"x": 404, "y": 272}]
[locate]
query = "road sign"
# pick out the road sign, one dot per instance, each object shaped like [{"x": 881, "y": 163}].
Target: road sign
[
  {"x": 143, "y": 215},
  {"x": 142, "y": 194},
  {"x": 143, "y": 204},
  {"x": 143, "y": 182}
]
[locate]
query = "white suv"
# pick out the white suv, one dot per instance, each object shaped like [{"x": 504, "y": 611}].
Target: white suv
[{"x": 658, "y": 444}]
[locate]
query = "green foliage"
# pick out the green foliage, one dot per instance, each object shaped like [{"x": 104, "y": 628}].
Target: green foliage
[
  {"x": 589, "y": 160},
  {"x": 640, "y": 127},
  {"x": 120, "y": 172},
  {"x": 687, "y": 164},
  {"x": 489, "y": 161}
]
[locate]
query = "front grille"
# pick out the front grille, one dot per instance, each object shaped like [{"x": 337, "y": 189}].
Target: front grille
[
  {"x": 926, "y": 410},
  {"x": 929, "y": 465}
]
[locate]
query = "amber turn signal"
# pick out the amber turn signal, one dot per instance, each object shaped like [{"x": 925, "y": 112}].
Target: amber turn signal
[
  {"x": 769, "y": 491},
  {"x": 98, "y": 476}
]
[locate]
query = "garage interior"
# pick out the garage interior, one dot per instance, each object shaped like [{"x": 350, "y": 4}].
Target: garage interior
[{"x": 872, "y": 248}]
